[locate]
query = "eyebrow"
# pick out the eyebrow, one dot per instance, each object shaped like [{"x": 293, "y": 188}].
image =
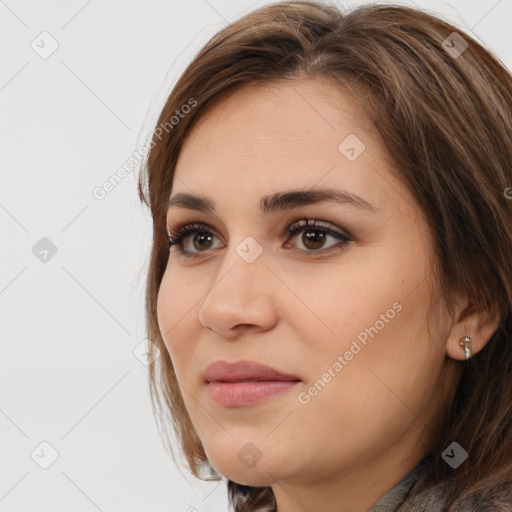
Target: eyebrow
[{"x": 278, "y": 202}]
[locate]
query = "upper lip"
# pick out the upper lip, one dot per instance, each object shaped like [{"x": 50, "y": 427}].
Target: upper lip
[{"x": 244, "y": 370}]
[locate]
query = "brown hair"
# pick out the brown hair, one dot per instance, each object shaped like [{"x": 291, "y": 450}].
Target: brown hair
[{"x": 446, "y": 122}]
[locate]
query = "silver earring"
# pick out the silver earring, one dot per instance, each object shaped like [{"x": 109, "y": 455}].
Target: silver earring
[{"x": 464, "y": 342}]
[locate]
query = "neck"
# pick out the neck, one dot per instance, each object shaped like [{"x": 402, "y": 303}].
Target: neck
[{"x": 359, "y": 489}]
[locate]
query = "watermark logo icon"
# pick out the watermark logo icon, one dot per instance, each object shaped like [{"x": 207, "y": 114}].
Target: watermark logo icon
[
  {"x": 249, "y": 454},
  {"x": 44, "y": 455},
  {"x": 142, "y": 353},
  {"x": 45, "y": 45},
  {"x": 44, "y": 250},
  {"x": 249, "y": 249},
  {"x": 454, "y": 455},
  {"x": 454, "y": 45},
  {"x": 351, "y": 147}
]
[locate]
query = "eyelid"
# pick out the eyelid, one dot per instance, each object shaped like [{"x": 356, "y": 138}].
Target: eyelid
[
  {"x": 305, "y": 222},
  {"x": 187, "y": 227},
  {"x": 297, "y": 224}
]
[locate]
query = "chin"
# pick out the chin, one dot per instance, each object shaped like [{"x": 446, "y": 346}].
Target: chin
[
  {"x": 245, "y": 464},
  {"x": 254, "y": 477}
]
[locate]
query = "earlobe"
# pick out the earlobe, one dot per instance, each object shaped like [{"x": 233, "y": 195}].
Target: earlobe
[{"x": 471, "y": 333}]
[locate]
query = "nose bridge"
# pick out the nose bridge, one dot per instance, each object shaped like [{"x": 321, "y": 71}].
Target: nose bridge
[
  {"x": 238, "y": 295},
  {"x": 241, "y": 270}
]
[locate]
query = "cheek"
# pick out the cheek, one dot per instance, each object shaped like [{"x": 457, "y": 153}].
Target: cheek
[
  {"x": 369, "y": 333},
  {"x": 367, "y": 392},
  {"x": 348, "y": 304},
  {"x": 176, "y": 314},
  {"x": 165, "y": 309}
]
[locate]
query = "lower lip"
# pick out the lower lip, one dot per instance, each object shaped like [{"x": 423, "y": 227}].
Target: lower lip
[{"x": 236, "y": 394}]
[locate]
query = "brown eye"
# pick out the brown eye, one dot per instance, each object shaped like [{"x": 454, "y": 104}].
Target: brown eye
[
  {"x": 314, "y": 238},
  {"x": 201, "y": 241},
  {"x": 315, "y": 235},
  {"x": 192, "y": 239}
]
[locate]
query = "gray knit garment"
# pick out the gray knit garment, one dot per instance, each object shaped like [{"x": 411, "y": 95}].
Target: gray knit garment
[{"x": 395, "y": 500}]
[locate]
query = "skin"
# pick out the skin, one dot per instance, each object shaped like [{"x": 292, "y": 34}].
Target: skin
[{"x": 297, "y": 309}]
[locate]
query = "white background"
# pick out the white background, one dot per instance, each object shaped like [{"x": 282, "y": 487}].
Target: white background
[{"x": 69, "y": 325}]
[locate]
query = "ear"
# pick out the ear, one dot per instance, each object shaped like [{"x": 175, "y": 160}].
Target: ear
[{"x": 477, "y": 324}]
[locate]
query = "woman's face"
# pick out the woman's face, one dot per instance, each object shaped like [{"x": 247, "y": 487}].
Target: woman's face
[{"x": 341, "y": 306}]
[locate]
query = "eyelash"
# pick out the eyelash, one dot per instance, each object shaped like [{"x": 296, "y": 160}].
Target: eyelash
[{"x": 299, "y": 226}]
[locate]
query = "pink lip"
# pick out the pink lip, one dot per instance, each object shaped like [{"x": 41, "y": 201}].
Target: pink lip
[{"x": 245, "y": 382}]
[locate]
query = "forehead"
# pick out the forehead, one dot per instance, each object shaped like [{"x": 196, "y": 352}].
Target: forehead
[{"x": 259, "y": 139}]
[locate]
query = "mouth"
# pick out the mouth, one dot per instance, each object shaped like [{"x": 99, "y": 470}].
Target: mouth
[
  {"x": 248, "y": 392},
  {"x": 252, "y": 380},
  {"x": 245, "y": 383},
  {"x": 245, "y": 371}
]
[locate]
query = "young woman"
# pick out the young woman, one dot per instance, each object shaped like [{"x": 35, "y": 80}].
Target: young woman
[{"x": 330, "y": 282}]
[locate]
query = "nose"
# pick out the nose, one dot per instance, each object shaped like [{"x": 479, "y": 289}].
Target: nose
[{"x": 241, "y": 297}]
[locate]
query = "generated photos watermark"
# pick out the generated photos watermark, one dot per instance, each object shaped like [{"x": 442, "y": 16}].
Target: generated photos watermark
[
  {"x": 136, "y": 157},
  {"x": 304, "y": 397}
]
